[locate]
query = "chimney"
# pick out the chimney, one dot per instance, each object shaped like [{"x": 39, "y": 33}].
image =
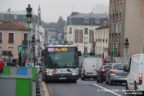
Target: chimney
[{"x": 74, "y": 13}]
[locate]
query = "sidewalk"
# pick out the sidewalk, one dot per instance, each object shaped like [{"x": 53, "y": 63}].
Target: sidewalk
[{"x": 43, "y": 89}]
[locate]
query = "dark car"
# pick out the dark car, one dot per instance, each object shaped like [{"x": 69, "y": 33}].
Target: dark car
[{"x": 101, "y": 76}]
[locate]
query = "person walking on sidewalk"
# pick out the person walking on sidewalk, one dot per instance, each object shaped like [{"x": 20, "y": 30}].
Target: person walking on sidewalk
[{"x": 2, "y": 64}]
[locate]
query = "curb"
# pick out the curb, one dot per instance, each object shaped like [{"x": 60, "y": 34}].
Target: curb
[{"x": 44, "y": 89}]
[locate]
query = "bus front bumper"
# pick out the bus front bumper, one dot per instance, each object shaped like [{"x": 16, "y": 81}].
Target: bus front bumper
[{"x": 62, "y": 77}]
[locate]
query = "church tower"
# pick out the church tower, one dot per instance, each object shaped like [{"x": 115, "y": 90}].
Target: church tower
[{"x": 39, "y": 15}]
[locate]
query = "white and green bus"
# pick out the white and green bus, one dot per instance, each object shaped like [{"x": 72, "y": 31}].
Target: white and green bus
[{"x": 60, "y": 62}]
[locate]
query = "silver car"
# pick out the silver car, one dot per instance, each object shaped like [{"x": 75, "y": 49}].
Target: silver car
[{"x": 116, "y": 74}]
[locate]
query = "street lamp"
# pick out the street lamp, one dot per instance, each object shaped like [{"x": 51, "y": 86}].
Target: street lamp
[
  {"x": 126, "y": 44},
  {"x": 29, "y": 19}
]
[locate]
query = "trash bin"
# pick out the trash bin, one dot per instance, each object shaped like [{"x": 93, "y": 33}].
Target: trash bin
[
  {"x": 15, "y": 85},
  {"x": 13, "y": 70},
  {"x": 34, "y": 73},
  {"x": 6, "y": 70},
  {"x": 23, "y": 71}
]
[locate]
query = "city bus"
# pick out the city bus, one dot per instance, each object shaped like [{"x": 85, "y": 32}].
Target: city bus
[{"x": 60, "y": 62}]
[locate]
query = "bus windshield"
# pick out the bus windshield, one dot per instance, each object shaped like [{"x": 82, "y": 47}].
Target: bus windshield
[{"x": 61, "y": 60}]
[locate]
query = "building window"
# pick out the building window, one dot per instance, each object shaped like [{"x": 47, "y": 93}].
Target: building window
[
  {"x": 10, "y": 49},
  {"x": 86, "y": 30},
  {"x": 70, "y": 30},
  {"x": 86, "y": 20},
  {"x": 97, "y": 21},
  {"x": 25, "y": 36},
  {"x": 11, "y": 38},
  {"x": 0, "y": 37}
]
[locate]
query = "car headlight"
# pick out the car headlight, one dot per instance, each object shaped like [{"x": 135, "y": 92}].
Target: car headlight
[{"x": 75, "y": 73}]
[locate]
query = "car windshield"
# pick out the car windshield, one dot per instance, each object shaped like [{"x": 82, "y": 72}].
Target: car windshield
[
  {"x": 61, "y": 60},
  {"x": 118, "y": 66}
]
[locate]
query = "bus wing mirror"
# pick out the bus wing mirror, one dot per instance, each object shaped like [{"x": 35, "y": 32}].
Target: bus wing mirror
[{"x": 79, "y": 53}]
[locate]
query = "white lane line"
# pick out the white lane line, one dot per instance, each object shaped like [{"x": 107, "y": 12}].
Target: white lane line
[{"x": 107, "y": 90}]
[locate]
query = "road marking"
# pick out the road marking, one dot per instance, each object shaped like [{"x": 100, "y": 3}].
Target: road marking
[{"x": 107, "y": 90}]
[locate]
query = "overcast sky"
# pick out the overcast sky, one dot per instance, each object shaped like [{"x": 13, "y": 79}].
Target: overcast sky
[{"x": 52, "y": 9}]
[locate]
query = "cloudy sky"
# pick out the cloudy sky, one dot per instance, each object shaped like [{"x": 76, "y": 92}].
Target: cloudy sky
[{"x": 52, "y": 9}]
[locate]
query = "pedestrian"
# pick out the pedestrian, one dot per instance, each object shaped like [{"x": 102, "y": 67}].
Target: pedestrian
[{"x": 2, "y": 64}]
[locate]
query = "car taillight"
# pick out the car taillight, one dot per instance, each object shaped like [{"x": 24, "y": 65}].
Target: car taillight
[
  {"x": 140, "y": 78},
  {"x": 112, "y": 72},
  {"x": 102, "y": 70}
]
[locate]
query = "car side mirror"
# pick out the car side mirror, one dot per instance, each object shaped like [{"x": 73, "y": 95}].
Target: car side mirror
[{"x": 79, "y": 53}]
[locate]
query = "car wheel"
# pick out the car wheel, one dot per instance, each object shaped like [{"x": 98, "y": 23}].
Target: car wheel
[
  {"x": 110, "y": 82},
  {"x": 82, "y": 77},
  {"x": 74, "y": 81},
  {"x": 107, "y": 82},
  {"x": 97, "y": 79}
]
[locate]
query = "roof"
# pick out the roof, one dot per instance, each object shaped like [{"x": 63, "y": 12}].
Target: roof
[
  {"x": 11, "y": 25},
  {"x": 102, "y": 27},
  {"x": 88, "y": 15},
  {"x": 16, "y": 12}
]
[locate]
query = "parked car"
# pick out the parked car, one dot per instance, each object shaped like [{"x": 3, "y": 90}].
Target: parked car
[
  {"x": 116, "y": 74},
  {"x": 102, "y": 73},
  {"x": 135, "y": 80},
  {"x": 89, "y": 67}
]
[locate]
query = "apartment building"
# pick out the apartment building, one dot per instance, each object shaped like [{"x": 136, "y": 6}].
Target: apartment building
[
  {"x": 38, "y": 31},
  {"x": 12, "y": 34},
  {"x": 102, "y": 41},
  {"x": 133, "y": 25},
  {"x": 126, "y": 21},
  {"x": 81, "y": 29},
  {"x": 116, "y": 34}
]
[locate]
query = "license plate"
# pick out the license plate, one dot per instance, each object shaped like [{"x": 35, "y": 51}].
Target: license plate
[{"x": 62, "y": 78}]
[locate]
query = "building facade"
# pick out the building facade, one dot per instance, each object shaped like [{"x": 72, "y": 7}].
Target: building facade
[
  {"x": 12, "y": 34},
  {"x": 37, "y": 30},
  {"x": 126, "y": 21},
  {"x": 116, "y": 34},
  {"x": 102, "y": 41},
  {"x": 81, "y": 29},
  {"x": 133, "y": 26}
]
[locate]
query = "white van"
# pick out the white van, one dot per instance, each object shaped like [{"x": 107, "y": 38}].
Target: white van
[
  {"x": 135, "y": 77},
  {"x": 90, "y": 67}
]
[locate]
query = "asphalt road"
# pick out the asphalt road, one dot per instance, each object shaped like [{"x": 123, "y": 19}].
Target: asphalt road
[{"x": 84, "y": 88}]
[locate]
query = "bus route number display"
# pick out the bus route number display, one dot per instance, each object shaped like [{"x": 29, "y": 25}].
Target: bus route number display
[{"x": 57, "y": 49}]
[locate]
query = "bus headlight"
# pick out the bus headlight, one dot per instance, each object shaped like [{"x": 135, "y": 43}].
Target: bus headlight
[
  {"x": 49, "y": 73},
  {"x": 75, "y": 73}
]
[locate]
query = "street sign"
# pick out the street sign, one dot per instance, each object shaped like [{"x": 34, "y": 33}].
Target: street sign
[{"x": 20, "y": 48}]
